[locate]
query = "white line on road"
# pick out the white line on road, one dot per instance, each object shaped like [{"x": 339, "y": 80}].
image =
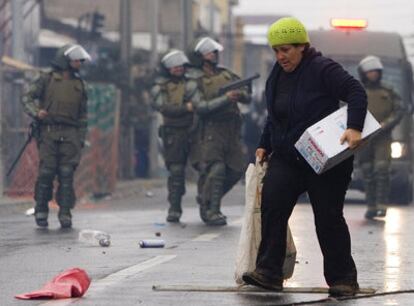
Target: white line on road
[
  {"x": 115, "y": 278},
  {"x": 206, "y": 237},
  {"x": 237, "y": 222},
  {"x": 210, "y": 236}
]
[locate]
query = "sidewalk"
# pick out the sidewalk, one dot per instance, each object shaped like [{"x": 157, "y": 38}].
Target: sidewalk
[
  {"x": 127, "y": 189},
  {"x": 124, "y": 189},
  {"x": 9, "y": 203}
]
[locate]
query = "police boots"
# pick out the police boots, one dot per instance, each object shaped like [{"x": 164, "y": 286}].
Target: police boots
[
  {"x": 382, "y": 210},
  {"x": 173, "y": 216},
  {"x": 370, "y": 196},
  {"x": 65, "y": 217},
  {"x": 214, "y": 215},
  {"x": 377, "y": 211},
  {"x": 203, "y": 207},
  {"x": 42, "y": 196},
  {"x": 41, "y": 218},
  {"x": 175, "y": 211},
  {"x": 176, "y": 190},
  {"x": 371, "y": 212},
  {"x": 215, "y": 218}
]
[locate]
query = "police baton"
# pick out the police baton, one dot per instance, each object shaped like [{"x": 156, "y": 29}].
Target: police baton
[{"x": 32, "y": 130}]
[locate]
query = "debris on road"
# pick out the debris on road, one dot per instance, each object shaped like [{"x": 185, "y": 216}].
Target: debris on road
[
  {"x": 152, "y": 243},
  {"x": 245, "y": 288},
  {"x": 149, "y": 194},
  {"x": 95, "y": 237},
  {"x": 30, "y": 212},
  {"x": 172, "y": 247},
  {"x": 159, "y": 224},
  {"x": 68, "y": 284}
]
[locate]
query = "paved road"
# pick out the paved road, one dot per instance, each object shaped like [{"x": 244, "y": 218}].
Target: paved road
[{"x": 124, "y": 274}]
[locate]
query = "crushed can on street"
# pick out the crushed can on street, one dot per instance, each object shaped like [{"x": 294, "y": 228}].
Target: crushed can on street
[{"x": 152, "y": 243}]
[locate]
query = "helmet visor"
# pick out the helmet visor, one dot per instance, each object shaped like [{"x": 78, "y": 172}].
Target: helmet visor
[
  {"x": 174, "y": 58},
  {"x": 76, "y": 53},
  {"x": 207, "y": 45}
]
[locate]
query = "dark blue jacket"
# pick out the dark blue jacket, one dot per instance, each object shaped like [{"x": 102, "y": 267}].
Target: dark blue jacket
[{"x": 319, "y": 85}]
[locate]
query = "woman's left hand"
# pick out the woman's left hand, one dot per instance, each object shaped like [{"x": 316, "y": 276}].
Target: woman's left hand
[{"x": 352, "y": 137}]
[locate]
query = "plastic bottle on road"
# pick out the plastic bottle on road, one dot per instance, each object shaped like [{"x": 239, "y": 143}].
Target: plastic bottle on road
[{"x": 95, "y": 237}]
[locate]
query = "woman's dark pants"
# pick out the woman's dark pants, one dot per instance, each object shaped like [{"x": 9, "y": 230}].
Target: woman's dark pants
[{"x": 282, "y": 185}]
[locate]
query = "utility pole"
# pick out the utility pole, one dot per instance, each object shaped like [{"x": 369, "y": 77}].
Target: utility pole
[
  {"x": 126, "y": 136},
  {"x": 187, "y": 23},
  {"x": 1, "y": 131},
  {"x": 211, "y": 11},
  {"x": 154, "y": 32},
  {"x": 153, "y": 132},
  {"x": 17, "y": 30},
  {"x": 18, "y": 53},
  {"x": 229, "y": 36}
]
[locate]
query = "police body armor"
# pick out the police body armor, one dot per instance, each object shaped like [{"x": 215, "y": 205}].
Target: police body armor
[
  {"x": 375, "y": 157},
  {"x": 62, "y": 100},
  {"x": 173, "y": 107},
  {"x": 221, "y": 127},
  {"x": 170, "y": 98},
  {"x": 382, "y": 104},
  {"x": 211, "y": 86}
]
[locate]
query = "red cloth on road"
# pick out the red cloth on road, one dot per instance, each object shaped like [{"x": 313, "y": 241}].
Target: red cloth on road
[{"x": 68, "y": 284}]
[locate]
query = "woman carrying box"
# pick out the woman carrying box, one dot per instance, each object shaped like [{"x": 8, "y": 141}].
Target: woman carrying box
[{"x": 303, "y": 88}]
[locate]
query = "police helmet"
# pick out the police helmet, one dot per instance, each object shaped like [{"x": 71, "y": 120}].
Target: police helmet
[
  {"x": 369, "y": 63},
  {"x": 68, "y": 53},
  {"x": 174, "y": 58},
  {"x": 200, "y": 47}
]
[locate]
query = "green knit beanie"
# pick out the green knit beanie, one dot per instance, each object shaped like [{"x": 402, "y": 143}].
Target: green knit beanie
[{"x": 287, "y": 31}]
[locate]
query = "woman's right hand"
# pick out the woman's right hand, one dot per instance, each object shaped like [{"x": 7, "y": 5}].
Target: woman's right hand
[{"x": 261, "y": 155}]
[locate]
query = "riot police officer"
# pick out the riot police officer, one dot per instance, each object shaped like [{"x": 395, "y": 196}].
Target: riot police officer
[
  {"x": 58, "y": 102},
  {"x": 173, "y": 94},
  {"x": 218, "y": 152},
  {"x": 375, "y": 158}
]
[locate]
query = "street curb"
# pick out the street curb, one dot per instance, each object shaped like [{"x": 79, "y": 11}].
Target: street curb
[
  {"x": 124, "y": 190},
  {"x": 128, "y": 189}
]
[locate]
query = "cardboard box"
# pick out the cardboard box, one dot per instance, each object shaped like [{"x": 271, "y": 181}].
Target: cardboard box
[{"x": 320, "y": 144}]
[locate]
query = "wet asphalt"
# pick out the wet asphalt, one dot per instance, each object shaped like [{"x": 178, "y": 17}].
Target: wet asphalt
[{"x": 194, "y": 254}]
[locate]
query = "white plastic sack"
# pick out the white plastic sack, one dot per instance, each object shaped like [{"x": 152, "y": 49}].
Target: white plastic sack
[{"x": 250, "y": 235}]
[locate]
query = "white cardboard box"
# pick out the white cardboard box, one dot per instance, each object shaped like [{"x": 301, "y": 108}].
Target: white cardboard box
[{"x": 320, "y": 143}]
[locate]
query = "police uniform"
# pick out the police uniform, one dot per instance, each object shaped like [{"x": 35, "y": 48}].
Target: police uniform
[
  {"x": 62, "y": 133},
  {"x": 375, "y": 158},
  {"x": 170, "y": 97},
  {"x": 218, "y": 153}
]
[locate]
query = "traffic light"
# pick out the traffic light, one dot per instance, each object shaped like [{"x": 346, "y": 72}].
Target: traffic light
[{"x": 97, "y": 23}]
